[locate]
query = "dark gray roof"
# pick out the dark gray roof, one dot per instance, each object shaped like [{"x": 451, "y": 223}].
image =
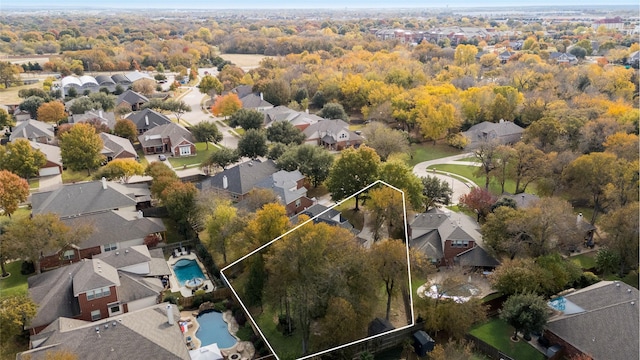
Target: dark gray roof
[
  {"x": 158, "y": 265},
  {"x": 135, "y": 287},
  {"x": 115, "y": 226},
  {"x": 242, "y": 90},
  {"x": 114, "y": 145},
  {"x": 104, "y": 80},
  {"x": 284, "y": 184},
  {"x": 430, "y": 230},
  {"x": 131, "y": 97},
  {"x": 94, "y": 274},
  {"x": 608, "y": 326},
  {"x": 331, "y": 216},
  {"x": 51, "y": 152},
  {"x": 379, "y": 326},
  {"x": 176, "y": 133},
  {"x": 53, "y": 292},
  {"x": 254, "y": 101},
  {"x": 125, "y": 257},
  {"x": 120, "y": 79},
  {"x": 476, "y": 256},
  {"x": 81, "y": 198},
  {"x": 148, "y": 119},
  {"x": 504, "y": 132},
  {"x": 31, "y": 129},
  {"x": 106, "y": 117},
  {"x": 144, "y": 333},
  {"x": 241, "y": 178}
]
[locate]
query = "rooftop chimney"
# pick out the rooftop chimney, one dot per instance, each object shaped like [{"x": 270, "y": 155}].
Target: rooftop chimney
[
  {"x": 579, "y": 219},
  {"x": 104, "y": 183},
  {"x": 170, "y": 318},
  {"x": 146, "y": 120},
  {"x": 140, "y": 214}
]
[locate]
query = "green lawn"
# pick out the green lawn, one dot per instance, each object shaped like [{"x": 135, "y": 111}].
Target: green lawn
[
  {"x": 428, "y": 151},
  {"x": 201, "y": 155},
  {"x": 16, "y": 284},
  {"x": 285, "y": 346},
  {"x": 70, "y": 176},
  {"x": 497, "y": 333},
  {"x": 171, "y": 235},
  {"x": 34, "y": 183},
  {"x": 470, "y": 158},
  {"x": 585, "y": 261},
  {"x": 469, "y": 172},
  {"x": 356, "y": 218},
  {"x": 143, "y": 159}
]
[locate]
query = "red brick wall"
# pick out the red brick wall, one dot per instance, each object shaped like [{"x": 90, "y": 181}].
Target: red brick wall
[
  {"x": 292, "y": 209},
  {"x": 87, "y": 306},
  {"x": 450, "y": 252},
  {"x": 55, "y": 260}
]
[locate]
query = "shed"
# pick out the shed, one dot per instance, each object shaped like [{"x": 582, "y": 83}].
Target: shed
[
  {"x": 379, "y": 326},
  {"x": 422, "y": 343}
]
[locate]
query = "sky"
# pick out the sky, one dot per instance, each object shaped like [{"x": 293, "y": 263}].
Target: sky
[{"x": 302, "y": 4}]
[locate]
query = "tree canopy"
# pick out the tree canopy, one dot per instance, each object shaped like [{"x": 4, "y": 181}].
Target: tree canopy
[
  {"x": 21, "y": 159},
  {"x": 352, "y": 172},
  {"x": 81, "y": 148}
]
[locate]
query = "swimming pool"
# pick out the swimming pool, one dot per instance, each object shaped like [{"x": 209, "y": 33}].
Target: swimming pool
[
  {"x": 186, "y": 269},
  {"x": 213, "y": 329}
]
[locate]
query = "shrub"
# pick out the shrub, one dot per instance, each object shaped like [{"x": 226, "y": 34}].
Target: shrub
[
  {"x": 245, "y": 333},
  {"x": 170, "y": 298},
  {"x": 458, "y": 141},
  {"x": 27, "y": 268},
  {"x": 241, "y": 319}
]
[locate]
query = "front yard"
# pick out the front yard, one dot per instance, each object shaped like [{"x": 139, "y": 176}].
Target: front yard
[
  {"x": 202, "y": 154},
  {"x": 428, "y": 151},
  {"x": 16, "y": 284}
]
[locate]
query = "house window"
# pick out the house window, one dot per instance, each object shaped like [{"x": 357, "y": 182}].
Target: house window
[
  {"x": 115, "y": 309},
  {"x": 95, "y": 315},
  {"x": 68, "y": 255},
  {"x": 111, "y": 247},
  {"x": 185, "y": 150},
  {"x": 460, "y": 243},
  {"x": 98, "y": 293}
]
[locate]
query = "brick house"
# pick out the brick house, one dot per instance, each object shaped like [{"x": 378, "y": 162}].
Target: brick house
[
  {"x": 33, "y": 130},
  {"x": 147, "y": 119},
  {"x": 53, "y": 166},
  {"x": 332, "y": 134},
  {"x": 290, "y": 189},
  {"x": 169, "y": 138},
  {"x": 116, "y": 147}
]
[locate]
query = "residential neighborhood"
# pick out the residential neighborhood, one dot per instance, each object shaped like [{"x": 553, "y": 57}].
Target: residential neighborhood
[{"x": 456, "y": 183}]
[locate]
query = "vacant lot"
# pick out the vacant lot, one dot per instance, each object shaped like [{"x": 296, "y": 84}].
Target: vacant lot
[{"x": 245, "y": 61}]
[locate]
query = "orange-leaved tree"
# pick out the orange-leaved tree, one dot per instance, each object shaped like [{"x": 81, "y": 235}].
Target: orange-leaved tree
[{"x": 226, "y": 105}]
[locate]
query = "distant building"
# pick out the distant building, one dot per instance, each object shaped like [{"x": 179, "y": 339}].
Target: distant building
[
  {"x": 609, "y": 23},
  {"x": 503, "y": 132}
]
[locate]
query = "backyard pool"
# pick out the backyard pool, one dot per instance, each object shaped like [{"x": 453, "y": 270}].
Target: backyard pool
[
  {"x": 187, "y": 270},
  {"x": 213, "y": 329}
]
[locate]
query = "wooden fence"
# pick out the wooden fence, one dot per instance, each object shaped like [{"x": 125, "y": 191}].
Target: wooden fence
[{"x": 487, "y": 349}]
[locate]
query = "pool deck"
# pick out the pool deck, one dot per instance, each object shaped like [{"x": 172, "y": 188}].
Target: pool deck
[
  {"x": 173, "y": 280},
  {"x": 244, "y": 348}
]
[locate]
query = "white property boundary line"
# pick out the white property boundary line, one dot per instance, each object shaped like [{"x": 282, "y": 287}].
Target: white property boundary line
[{"x": 406, "y": 236}]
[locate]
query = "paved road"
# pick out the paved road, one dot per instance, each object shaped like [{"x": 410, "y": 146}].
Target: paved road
[{"x": 459, "y": 187}]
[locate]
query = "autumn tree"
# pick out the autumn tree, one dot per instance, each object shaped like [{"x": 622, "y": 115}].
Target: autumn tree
[
  {"x": 478, "y": 200},
  {"x": 384, "y": 140},
  {"x": 120, "y": 169},
  {"x": 526, "y": 313},
  {"x": 436, "y": 192},
  {"x": 385, "y": 206},
  {"x": 52, "y": 112},
  {"x": 253, "y": 144},
  {"x": 206, "y": 131},
  {"x": 144, "y": 86},
  {"x": 389, "y": 259},
  {"x": 13, "y": 191},
  {"x": 5, "y": 118},
  {"x": 226, "y": 105},
  {"x": 397, "y": 173},
  {"x": 222, "y": 226},
  {"x": 210, "y": 85},
  {"x": 81, "y": 148},
  {"x": 247, "y": 119},
  {"x": 42, "y": 233},
  {"x": 285, "y": 133},
  {"x": 465, "y": 55},
  {"x": 516, "y": 276},
  {"x": 621, "y": 227},
  {"x": 15, "y": 313},
  {"x": 9, "y": 74},
  {"x": 485, "y": 153},
  {"x": 180, "y": 198},
  {"x": 352, "y": 172},
  {"x": 312, "y": 161},
  {"x": 21, "y": 159},
  {"x": 126, "y": 128}
]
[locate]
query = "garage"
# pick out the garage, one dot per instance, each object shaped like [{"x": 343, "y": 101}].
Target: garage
[{"x": 48, "y": 171}]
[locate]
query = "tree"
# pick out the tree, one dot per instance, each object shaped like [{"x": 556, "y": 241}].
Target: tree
[
  {"x": 177, "y": 107},
  {"x": 607, "y": 261},
  {"x": 486, "y": 155},
  {"x": 222, "y": 226},
  {"x": 126, "y": 128},
  {"x": 253, "y": 144},
  {"x": 435, "y": 192},
  {"x": 277, "y": 92},
  {"x": 121, "y": 170},
  {"x": 516, "y": 276},
  {"x": 206, "y": 132},
  {"x": 526, "y": 312},
  {"x": 333, "y": 111},
  {"x": 107, "y": 101},
  {"x": 384, "y": 140},
  {"x": 82, "y": 105},
  {"x": 397, "y": 173},
  {"x": 527, "y": 165},
  {"x": 5, "y": 118},
  {"x": 210, "y": 85},
  {"x": 385, "y": 205},
  {"x": 284, "y": 132},
  {"x": 226, "y": 105},
  {"x": 13, "y": 191},
  {"x": 9, "y": 74},
  {"x": 52, "y": 111},
  {"x": 621, "y": 226},
  {"x": 21, "y": 159},
  {"x": 31, "y": 104},
  {"x": 80, "y": 148},
  {"x": 434, "y": 118},
  {"x": 624, "y": 145},
  {"x": 42, "y": 233},
  {"x": 465, "y": 55},
  {"x": 144, "y": 86},
  {"x": 268, "y": 223},
  {"x": 15, "y": 313},
  {"x": 340, "y": 326},
  {"x": 498, "y": 235},
  {"x": 352, "y": 172},
  {"x": 247, "y": 119},
  {"x": 180, "y": 200},
  {"x": 478, "y": 200},
  {"x": 389, "y": 259},
  {"x": 223, "y": 157}
]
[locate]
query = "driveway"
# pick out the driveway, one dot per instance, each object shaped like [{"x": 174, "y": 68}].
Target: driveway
[
  {"x": 459, "y": 184},
  {"x": 49, "y": 183}
]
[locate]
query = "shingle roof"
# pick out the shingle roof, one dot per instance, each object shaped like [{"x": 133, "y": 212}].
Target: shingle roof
[
  {"x": 608, "y": 326},
  {"x": 503, "y": 131},
  {"x": 330, "y": 128},
  {"x": 131, "y": 97},
  {"x": 476, "y": 256},
  {"x": 134, "y": 76},
  {"x": 115, "y": 226},
  {"x": 84, "y": 198},
  {"x": 94, "y": 274},
  {"x": 176, "y": 133},
  {"x": 152, "y": 117},
  {"x": 105, "y": 80},
  {"x": 125, "y": 257},
  {"x": 241, "y": 178},
  {"x": 106, "y": 117},
  {"x": 32, "y": 129},
  {"x": 52, "y": 153},
  {"x": 143, "y": 333},
  {"x": 53, "y": 292},
  {"x": 331, "y": 216},
  {"x": 254, "y": 101},
  {"x": 135, "y": 287},
  {"x": 284, "y": 184},
  {"x": 116, "y": 145}
]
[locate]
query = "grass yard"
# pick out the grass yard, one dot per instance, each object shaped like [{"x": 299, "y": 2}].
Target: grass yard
[
  {"x": 172, "y": 235},
  {"x": 16, "y": 284},
  {"x": 318, "y": 191},
  {"x": 585, "y": 261},
  {"x": 497, "y": 333},
  {"x": 143, "y": 159},
  {"x": 356, "y": 218},
  {"x": 285, "y": 346},
  {"x": 201, "y": 155},
  {"x": 428, "y": 151},
  {"x": 469, "y": 172},
  {"x": 70, "y": 176}
]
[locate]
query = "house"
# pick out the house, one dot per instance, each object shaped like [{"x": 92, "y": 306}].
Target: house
[
  {"x": 73, "y": 200},
  {"x": 503, "y": 132},
  {"x": 332, "y": 134},
  {"x": 53, "y": 166},
  {"x": 251, "y": 100},
  {"x": 131, "y": 99},
  {"x": 116, "y": 147},
  {"x": 33, "y": 130},
  {"x": 563, "y": 58},
  {"x": 168, "y": 138},
  {"x": 634, "y": 59},
  {"x": 112, "y": 231},
  {"x": 107, "y": 118},
  {"x": 599, "y": 321},
  {"x": 149, "y": 333},
  {"x": 505, "y": 56},
  {"x": 326, "y": 215},
  {"x": 147, "y": 119},
  {"x": 299, "y": 119},
  {"x": 21, "y": 115},
  {"x": 239, "y": 180},
  {"x": 444, "y": 235},
  {"x": 90, "y": 290},
  {"x": 290, "y": 189}
]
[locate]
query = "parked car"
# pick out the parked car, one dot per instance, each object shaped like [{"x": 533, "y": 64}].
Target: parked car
[{"x": 162, "y": 157}]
